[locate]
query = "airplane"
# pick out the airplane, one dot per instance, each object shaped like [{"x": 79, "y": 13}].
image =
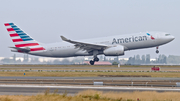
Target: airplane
[{"x": 109, "y": 46}]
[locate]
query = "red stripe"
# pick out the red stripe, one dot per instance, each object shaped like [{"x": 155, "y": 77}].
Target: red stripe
[
  {"x": 13, "y": 35},
  {"x": 26, "y": 45},
  {"x": 152, "y": 38},
  {"x": 16, "y": 40},
  {"x": 10, "y": 29},
  {"x": 37, "y": 49},
  {"x": 20, "y": 51},
  {"x": 7, "y": 24}
]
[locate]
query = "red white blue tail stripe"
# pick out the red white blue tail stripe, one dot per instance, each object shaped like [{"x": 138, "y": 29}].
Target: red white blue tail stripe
[{"x": 21, "y": 39}]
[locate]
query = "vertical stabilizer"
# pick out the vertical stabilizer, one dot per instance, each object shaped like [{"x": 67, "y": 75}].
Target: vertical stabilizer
[{"x": 22, "y": 40}]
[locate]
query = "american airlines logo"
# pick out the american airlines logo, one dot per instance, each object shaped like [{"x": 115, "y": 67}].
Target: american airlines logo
[
  {"x": 151, "y": 36},
  {"x": 130, "y": 39}
]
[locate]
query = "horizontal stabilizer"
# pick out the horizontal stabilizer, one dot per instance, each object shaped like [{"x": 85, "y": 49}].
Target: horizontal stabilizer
[{"x": 26, "y": 50}]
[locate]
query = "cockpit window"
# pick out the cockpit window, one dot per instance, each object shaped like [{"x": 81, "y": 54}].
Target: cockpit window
[{"x": 167, "y": 34}]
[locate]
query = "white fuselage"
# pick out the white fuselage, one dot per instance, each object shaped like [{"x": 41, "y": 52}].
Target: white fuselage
[{"x": 129, "y": 42}]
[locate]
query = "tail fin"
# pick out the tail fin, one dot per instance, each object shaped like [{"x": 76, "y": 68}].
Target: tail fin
[{"x": 21, "y": 39}]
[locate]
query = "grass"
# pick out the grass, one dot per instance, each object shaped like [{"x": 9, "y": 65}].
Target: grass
[
  {"x": 87, "y": 66},
  {"x": 133, "y": 96},
  {"x": 88, "y": 74},
  {"x": 91, "y": 95},
  {"x": 84, "y": 74}
]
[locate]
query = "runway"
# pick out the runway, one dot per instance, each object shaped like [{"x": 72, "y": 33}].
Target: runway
[
  {"x": 92, "y": 78},
  {"x": 72, "y": 90},
  {"x": 18, "y": 87}
]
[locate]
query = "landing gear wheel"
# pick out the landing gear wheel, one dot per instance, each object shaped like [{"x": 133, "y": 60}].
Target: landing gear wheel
[
  {"x": 91, "y": 62},
  {"x": 96, "y": 59},
  {"x": 157, "y": 51}
]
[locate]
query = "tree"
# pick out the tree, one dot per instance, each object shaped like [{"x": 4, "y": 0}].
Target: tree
[
  {"x": 7, "y": 60},
  {"x": 129, "y": 61},
  {"x": 65, "y": 61},
  {"x": 35, "y": 60},
  {"x": 56, "y": 61},
  {"x": 172, "y": 59},
  {"x": 114, "y": 63},
  {"x": 164, "y": 59}
]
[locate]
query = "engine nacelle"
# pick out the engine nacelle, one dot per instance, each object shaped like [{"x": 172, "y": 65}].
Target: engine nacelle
[{"x": 114, "y": 51}]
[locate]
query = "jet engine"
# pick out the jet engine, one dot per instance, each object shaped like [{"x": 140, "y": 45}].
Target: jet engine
[{"x": 114, "y": 51}]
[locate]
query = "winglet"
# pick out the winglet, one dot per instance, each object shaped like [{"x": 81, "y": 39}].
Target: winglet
[{"x": 63, "y": 38}]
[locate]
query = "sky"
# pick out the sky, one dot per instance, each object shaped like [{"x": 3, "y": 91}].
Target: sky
[{"x": 46, "y": 20}]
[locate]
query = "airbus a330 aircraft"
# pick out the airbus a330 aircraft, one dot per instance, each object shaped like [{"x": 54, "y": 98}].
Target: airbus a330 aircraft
[{"x": 109, "y": 46}]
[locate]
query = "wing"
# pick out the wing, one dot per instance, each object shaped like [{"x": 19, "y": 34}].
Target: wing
[{"x": 85, "y": 46}]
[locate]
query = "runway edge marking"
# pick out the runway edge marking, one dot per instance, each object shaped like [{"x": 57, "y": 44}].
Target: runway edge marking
[{"x": 90, "y": 87}]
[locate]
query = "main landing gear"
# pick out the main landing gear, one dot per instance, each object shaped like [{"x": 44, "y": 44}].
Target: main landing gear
[
  {"x": 157, "y": 51},
  {"x": 96, "y": 59}
]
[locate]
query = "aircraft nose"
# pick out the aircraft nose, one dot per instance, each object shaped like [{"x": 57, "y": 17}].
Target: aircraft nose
[{"x": 171, "y": 38}]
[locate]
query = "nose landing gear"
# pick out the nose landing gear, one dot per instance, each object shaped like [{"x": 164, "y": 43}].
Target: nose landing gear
[{"x": 157, "y": 51}]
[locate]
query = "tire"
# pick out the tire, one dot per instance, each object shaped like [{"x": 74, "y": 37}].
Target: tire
[
  {"x": 157, "y": 51},
  {"x": 91, "y": 62},
  {"x": 96, "y": 59}
]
